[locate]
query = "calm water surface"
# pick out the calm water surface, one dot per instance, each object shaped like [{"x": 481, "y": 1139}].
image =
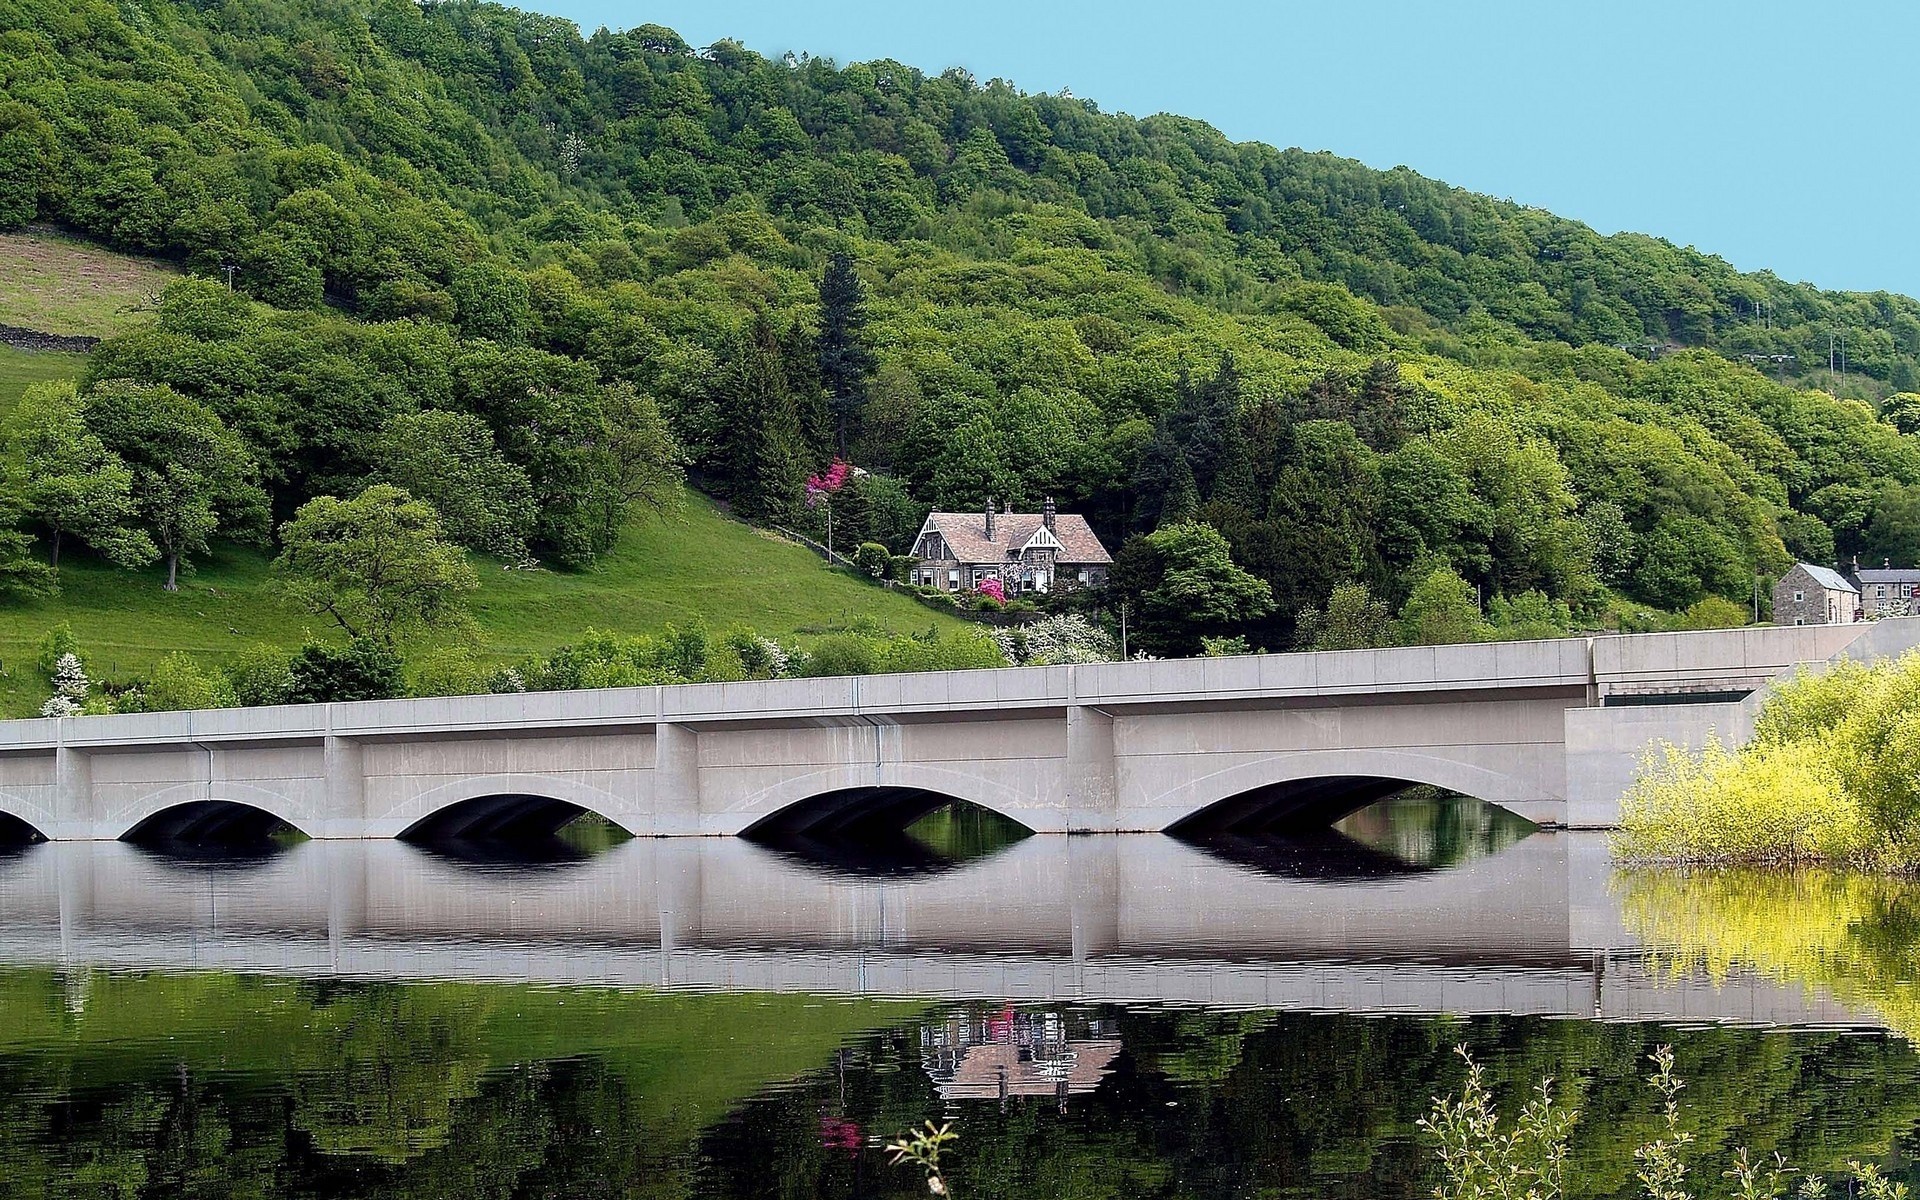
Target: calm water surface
[{"x": 1121, "y": 1016}]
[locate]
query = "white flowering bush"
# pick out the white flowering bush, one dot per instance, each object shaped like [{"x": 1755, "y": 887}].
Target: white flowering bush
[
  {"x": 1057, "y": 640},
  {"x": 70, "y": 687}
]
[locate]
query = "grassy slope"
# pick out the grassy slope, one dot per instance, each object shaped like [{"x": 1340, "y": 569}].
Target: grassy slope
[
  {"x": 697, "y": 566},
  {"x": 54, "y": 284},
  {"x": 19, "y": 369}
]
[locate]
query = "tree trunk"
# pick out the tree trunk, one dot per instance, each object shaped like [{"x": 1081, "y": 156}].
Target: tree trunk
[
  {"x": 173, "y": 572},
  {"x": 55, "y": 564}
]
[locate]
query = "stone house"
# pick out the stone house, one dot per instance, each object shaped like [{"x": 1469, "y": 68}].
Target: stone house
[
  {"x": 1888, "y": 591},
  {"x": 1026, "y": 552},
  {"x": 1810, "y": 595}
]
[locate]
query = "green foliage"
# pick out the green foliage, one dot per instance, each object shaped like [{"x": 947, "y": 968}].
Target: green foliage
[
  {"x": 375, "y": 564},
  {"x": 1182, "y": 583},
  {"x": 1351, "y": 620},
  {"x": 365, "y": 669},
  {"x": 1828, "y": 778},
  {"x": 63, "y": 478},
  {"x": 1713, "y": 612},
  {"x": 178, "y": 682},
  {"x": 485, "y": 503},
  {"x": 261, "y": 675},
  {"x": 1442, "y": 609},
  {"x": 872, "y": 557},
  {"x": 623, "y": 258},
  {"x": 191, "y": 477}
]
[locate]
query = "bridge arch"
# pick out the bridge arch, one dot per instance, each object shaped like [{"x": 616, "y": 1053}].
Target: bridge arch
[
  {"x": 506, "y": 806},
  {"x": 885, "y": 794},
  {"x": 14, "y": 831},
  {"x": 205, "y": 823},
  {"x": 1312, "y": 789}
]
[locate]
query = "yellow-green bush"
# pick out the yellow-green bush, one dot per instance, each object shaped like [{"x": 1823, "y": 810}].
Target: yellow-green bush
[
  {"x": 1833, "y": 775},
  {"x": 1769, "y": 803}
]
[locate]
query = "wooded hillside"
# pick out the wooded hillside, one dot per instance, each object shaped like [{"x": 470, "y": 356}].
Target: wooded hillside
[{"x": 1354, "y": 375}]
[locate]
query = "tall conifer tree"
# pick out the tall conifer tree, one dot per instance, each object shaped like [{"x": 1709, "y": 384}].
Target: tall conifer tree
[
  {"x": 844, "y": 360},
  {"x": 766, "y": 457}
]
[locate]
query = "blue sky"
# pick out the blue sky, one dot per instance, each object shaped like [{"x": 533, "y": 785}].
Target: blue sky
[{"x": 1776, "y": 135}]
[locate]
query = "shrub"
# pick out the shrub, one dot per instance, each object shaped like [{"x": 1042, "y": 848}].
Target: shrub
[
  {"x": 178, "y": 683},
  {"x": 58, "y": 643},
  {"x": 873, "y": 559},
  {"x": 1224, "y": 647},
  {"x": 1056, "y": 640},
  {"x": 1770, "y": 804},
  {"x": 364, "y": 669},
  {"x": 261, "y": 675},
  {"x": 1713, "y": 612},
  {"x": 449, "y": 672},
  {"x": 843, "y": 654}
]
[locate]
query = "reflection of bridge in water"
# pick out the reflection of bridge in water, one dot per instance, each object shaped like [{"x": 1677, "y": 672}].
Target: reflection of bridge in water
[{"x": 1134, "y": 918}]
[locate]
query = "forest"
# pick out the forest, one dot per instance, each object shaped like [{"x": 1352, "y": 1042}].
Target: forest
[{"x": 532, "y": 276}]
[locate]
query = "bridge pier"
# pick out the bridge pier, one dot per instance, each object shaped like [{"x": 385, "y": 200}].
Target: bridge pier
[
  {"x": 676, "y": 782},
  {"x": 1093, "y": 787}
]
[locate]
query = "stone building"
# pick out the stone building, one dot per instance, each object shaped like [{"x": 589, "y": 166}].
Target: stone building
[
  {"x": 1026, "y": 552},
  {"x": 1888, "y": 591},
  {"x": 1810, "y": 595}
]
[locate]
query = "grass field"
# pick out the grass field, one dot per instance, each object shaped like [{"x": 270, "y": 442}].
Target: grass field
[
  {"x": 19, "y": 369},
  {"x": 698, "y": 566},
  {"x": 54, "y": 284}
]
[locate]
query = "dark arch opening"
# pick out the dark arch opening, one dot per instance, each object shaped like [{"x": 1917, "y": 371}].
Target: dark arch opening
[
  {"x": 886, "y": 831},
  {"x": 515, "y": 829},
  {"x": 17, "y": 835},
  {"x": 213, "y": 829},
  {"x": 1352, "y": 828}
]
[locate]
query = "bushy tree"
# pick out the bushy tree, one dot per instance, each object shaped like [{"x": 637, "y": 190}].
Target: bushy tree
[
  {"x": 1441, "y": 610},
  {"x": 376, "y": 565},
  {"x": 191, "y": 477},
  {"x": 1182, "y": 584},
  {"x": 364, "y": 669},
  {"x": 449, "y": 460},
  {"x": 1351, "y": 620},
  {"x": 63, "y": 478}
]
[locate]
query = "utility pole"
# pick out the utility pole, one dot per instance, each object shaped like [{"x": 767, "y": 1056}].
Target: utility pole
[
  {"x": 1123, "y": 631},
  {"x": 229, "y": 268}
]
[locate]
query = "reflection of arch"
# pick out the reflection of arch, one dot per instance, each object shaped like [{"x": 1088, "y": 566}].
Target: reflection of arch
[
  {"x": 193, "y": 823},
  {"x": 798, "y": 800},
  {"x": 1314, "y": 788}
]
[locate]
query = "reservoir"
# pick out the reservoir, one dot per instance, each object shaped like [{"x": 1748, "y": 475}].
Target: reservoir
[{"x": 1126, "y": 1014}]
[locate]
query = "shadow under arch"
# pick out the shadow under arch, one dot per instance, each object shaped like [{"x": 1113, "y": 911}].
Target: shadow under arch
[
  {"x": 885, "y": 831},
  {"x": 17, "y": 834},
  {"x": 213, "y": 829},
  {"x": 1351, "y": 828},
  {"x": 513, "y": 828}
]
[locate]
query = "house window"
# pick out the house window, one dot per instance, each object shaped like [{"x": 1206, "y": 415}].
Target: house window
[
  {"x": 1879, "y": 589},
  {"x": 1799, "y": 620},
  {"x": 953, "y": 577},
  {"x": 1799, "y": 596}
]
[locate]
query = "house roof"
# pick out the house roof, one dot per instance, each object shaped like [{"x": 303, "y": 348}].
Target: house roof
[
  {"x": 1889, "y": 575},
  {"x": 1829, "y": 579},
  {"x": 966, "y": 535}
]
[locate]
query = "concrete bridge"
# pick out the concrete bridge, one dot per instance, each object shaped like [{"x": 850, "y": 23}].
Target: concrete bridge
[
  {"x": 1553, "y": 730},
  {"x": 1534, "y": 930}
]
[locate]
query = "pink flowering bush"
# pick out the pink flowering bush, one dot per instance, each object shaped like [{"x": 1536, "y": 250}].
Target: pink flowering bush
[
  {"x": 992, "y": 590},
  {"x": 821, "y": 487}
]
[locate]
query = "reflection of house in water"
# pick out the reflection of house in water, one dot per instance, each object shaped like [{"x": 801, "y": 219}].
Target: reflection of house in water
[{"x": 996, "y": 1054}]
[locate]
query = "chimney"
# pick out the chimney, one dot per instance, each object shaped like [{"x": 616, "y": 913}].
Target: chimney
[
  {"x": 1047, "y": 514},
  {"x": 989, "y": 518}
]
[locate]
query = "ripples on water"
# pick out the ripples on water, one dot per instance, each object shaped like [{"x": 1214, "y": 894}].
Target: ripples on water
[{"x": 1108, "y": 1016}]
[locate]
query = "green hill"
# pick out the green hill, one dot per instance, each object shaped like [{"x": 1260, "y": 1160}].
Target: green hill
[
  {"x": 696, "y": 567},
  {"x": 1352, "y": 375}
]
